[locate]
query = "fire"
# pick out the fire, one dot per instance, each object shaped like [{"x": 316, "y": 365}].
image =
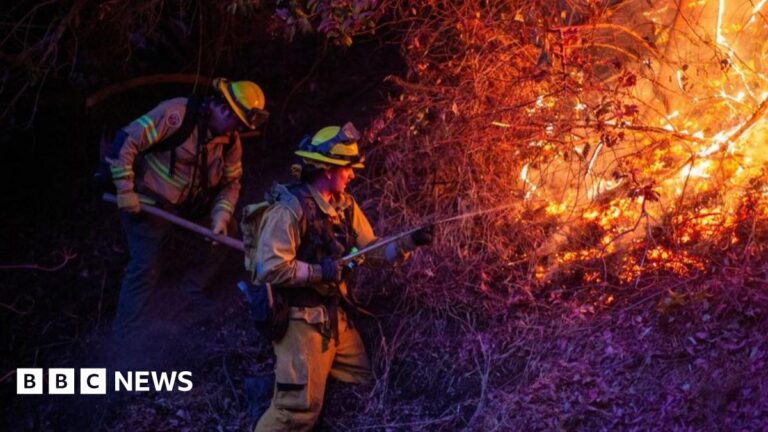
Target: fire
[
  {"x": 675, "y": 181},
  {"x": 694, "y": 226},
  {"x": 660, "y": 259}
]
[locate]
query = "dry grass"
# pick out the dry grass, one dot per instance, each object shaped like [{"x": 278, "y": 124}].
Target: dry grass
[{"x": 528, "y": 319}]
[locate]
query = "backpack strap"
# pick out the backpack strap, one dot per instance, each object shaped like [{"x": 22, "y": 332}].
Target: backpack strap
[
  {"x": 300, "y": 207},
  {"x": 184, "y": 131},
  {"x": 202, "y": 151}
]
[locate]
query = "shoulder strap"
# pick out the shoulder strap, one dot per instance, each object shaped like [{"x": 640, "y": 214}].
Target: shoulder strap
[
  {"x": 349, "y": 215},
  {"x": 184, "y": 131},
  {"x": 306, "y": 204}
]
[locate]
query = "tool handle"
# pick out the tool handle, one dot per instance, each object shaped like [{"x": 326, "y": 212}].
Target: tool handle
[{"x": 191, "y": 226}]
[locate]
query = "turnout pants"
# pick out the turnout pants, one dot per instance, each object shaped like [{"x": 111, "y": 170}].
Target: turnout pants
[
  {"x": 147, "y": 238},
  {"x": 304, "y": 360}
]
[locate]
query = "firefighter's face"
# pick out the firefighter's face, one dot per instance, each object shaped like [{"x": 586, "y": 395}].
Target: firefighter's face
[
  {"x": 339, "y": 178},
  {"x": 224, "y": 120}
]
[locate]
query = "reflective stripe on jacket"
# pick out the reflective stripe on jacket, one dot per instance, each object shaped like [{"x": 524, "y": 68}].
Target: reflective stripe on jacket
[{"x": 149, "y": 174}]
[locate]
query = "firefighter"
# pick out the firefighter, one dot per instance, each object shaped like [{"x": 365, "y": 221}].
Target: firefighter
[
  {"x": 303, "y": 235},
  {"x": 185, "y": 157}
]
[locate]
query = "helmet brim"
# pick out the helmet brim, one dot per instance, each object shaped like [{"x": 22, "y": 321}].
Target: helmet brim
[{"x": 325, "y": 159}]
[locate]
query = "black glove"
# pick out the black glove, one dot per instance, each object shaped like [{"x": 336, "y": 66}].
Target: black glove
[
  {"x": 423, "y": 236},
  {"x": 332, "y": 269}
]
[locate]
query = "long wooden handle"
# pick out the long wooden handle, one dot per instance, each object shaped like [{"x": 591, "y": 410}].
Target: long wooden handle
[{"x": 172, "y": 218}]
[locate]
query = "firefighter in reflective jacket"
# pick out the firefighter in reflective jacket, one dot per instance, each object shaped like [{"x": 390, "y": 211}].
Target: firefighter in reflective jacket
[
  {"x": 303, "y": 235},
  {"x": 198, "y": 177}
]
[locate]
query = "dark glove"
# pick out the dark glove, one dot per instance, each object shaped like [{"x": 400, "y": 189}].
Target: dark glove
[
  {"x": 423, "y": 236},
  {"x": 332, "y": 269}
]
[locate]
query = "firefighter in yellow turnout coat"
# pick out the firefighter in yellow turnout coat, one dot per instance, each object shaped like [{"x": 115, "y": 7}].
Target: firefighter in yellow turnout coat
[
  {"x": 183, "y": 156},
  {"x": 303, "y": 234}
]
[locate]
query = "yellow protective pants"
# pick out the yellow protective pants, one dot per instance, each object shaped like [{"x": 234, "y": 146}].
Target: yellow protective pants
[{"x": 304, "y": 359}]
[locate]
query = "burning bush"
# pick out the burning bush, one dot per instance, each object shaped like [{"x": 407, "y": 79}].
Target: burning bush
[
  {"x": 625, "y": 137},
  {"x": 619, "y": 145}
]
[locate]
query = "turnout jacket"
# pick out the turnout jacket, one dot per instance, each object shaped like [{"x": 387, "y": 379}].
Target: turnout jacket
[
  {"x": 283, "y": 229},
  {"x": 148, "y": 173}
]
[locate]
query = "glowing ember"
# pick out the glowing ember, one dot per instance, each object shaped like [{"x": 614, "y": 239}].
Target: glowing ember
[{"x": 672, "y": 162}]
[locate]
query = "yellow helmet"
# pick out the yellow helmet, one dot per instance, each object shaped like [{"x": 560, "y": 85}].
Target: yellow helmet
[
  {"x": 332, "y": 145},
  {"x": 245, "y": 98}
]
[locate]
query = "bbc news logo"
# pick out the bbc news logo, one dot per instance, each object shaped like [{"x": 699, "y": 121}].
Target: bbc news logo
[{"x": 93, "y": 381}]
